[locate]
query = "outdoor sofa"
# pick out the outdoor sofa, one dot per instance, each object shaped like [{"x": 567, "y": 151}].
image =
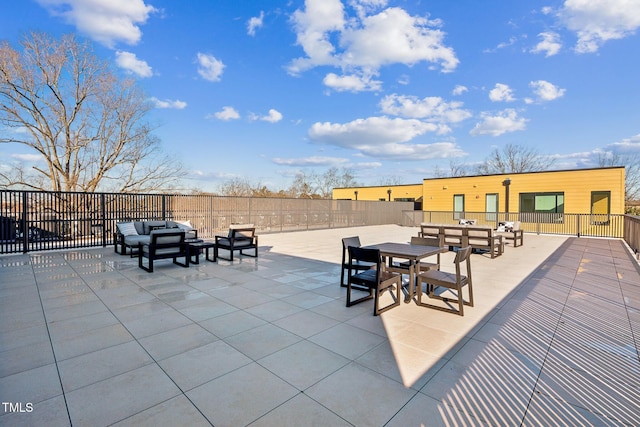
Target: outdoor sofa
[{"x": 129, "y": 235}]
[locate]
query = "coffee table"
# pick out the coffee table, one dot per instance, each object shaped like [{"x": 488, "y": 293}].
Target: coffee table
[{"x": 196, "y": 247}]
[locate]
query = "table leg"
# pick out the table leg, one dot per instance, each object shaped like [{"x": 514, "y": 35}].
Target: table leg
[{"x": 412, "y": 279}]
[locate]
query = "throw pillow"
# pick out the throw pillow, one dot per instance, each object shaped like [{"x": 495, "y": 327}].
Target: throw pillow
[{"x": 127, "y": 229}]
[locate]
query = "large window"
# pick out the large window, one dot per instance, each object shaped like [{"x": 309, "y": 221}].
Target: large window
[
  {"x": 600, "y": 207},
  {"x": 458, "y": 206},
  {"x": 541, "y": 207},
  {"x": 491, "y": 207}
]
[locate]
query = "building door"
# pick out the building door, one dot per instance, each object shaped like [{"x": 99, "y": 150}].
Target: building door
[
  {"x": 491, "y": 207},
  {"x": 600, "y": 207},
  {"x": 458, "y": 206}
]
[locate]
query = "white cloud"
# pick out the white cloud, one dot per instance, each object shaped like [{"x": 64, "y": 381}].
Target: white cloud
[
  {"x": 310, "y": 161},
  {"x": 501, "y": 92},
  {"x": 106, "y": 21},
  {"x": 504, "y": 122},
  {"x": 227, "y": 113},
  {"x": 209, "y": 67},
  {"x": 598, "y": 21},
  {"x": 351, "y": 83},
  {"x": 255, "y": 23},
  {"x": 549, "y": 45},
  {"x": 274, "y": 116},
  {"x": 167, "y": 103},
  {"x": 433, "y": 109},
  {"x": 627, "y": 145},
  {"x": 459, "y": 90},
  {"x": 373, "y": 130},
  {"x": 132, "y": 64},
  {"x": 546, "y": 91},
  {"x": 360, "y": 45}
]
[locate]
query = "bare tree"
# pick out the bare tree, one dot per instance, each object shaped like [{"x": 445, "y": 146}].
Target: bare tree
[
  {"x": 314, "y": 185},
  {"x": 455, "y": 169},
  {"x": 87, "y": 124},
  {"x": 514, "y": 159},
  {"x": 631, "y": 162}
]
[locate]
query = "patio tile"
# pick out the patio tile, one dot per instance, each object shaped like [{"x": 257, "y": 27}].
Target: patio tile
[
  {"x": 120, "y": 397},
  {"x": 274, "y": 310},
  {"x": 202, "y": 364},
  {"x": 347, "y": 341},
  {"x": 425, "y": 411},
  {"x": 156, "y": 323},
  {"x": 303, "y": 364},
  {"x": 25, "y": 358},
  {"x": 360, "y": 395},
  {"x": 549, "y": 337},
  {"x": 262, "y": 341},
  {"x": 305, "y": 412},
  {"x": 78, "y": 325},
  {"x": 89, "y": 368},
  {"x": 90, "y": 341},
  {"x": 232, "y": 323},
  {"x": 175, "y": 341},
  {"x": 51, "y": 413},
  {"x": 242, "y": 396},
  {"x": 173, "y": 412},
  {"x": 306, "y": 323},
  {"x": 35, "y": 385}
]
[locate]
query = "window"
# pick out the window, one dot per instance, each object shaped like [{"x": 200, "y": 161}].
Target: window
[
  {"x": 458, "y": 206},
  {"x": 600, "y": 207},
  {"x": 491, "y": 207},
  {"x": 542, "y": 207}
]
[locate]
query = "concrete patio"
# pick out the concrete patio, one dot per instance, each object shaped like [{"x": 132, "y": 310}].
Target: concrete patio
[{"x": 89, "y": 339}]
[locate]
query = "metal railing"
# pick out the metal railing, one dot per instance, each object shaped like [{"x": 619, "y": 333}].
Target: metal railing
[
  {"x": 586, "y": 225},
  {"x": 35, "y": 221}
]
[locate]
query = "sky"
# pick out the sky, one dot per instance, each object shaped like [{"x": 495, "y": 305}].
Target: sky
[{"x": 395, "y": 91}]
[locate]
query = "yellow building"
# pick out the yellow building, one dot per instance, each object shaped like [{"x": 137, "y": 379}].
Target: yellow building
[{"x": 538, "y": 197}]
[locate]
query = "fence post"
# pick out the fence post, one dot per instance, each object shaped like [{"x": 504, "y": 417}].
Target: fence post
[
  {"x": 164, "y": 207},
  {"x": 25, "y": 229},
  {"x": 578, "y": 224},
  {"x": 103, "y": 213}
]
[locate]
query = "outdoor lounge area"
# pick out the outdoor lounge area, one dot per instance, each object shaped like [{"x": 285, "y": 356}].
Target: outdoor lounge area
[{"x": 90, "y": 339}]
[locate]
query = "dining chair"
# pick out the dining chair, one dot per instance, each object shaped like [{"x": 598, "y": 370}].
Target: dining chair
[
  {"x": 375, "y": 279},
  {"x": 359, "y": 266},
  {"x": 403, "y": 267},
  {"x": 454, "y": 281}
]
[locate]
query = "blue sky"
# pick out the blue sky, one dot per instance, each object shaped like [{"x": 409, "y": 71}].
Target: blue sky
[{"x": 261, "y": 90}]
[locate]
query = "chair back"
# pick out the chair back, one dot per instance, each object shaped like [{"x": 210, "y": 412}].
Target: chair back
[
  {"x": 365, "y": 255},
  {"x": 463, "y": 255},
  {"x": 351, "y": 241},
  {"x": 426, "y": 241}
]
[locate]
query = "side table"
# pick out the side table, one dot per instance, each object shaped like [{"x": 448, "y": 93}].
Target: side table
[{"x": 196, "y": 247}]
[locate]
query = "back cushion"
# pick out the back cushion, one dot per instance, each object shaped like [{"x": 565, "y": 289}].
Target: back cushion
[
  {"x": 148, "y": 225},
  {"x": 127, "y": 228}
]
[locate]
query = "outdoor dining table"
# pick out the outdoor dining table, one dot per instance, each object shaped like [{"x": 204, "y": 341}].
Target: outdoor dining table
[{"x": 412, "y": 253}]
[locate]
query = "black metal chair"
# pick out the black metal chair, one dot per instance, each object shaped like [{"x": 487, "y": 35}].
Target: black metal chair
[
  {"x": 164, "y": 244},
  {"x": 358, "y": 266},
  {"x": 375, "y": 279},
  {"x": 455, "y": 281}
]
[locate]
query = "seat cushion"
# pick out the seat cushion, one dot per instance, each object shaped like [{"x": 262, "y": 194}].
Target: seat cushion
[{"x": 134, "y": 240}]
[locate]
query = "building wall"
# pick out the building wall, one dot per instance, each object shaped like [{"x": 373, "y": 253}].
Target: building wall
[
  {"x": 437, "y": 194},
  {"x": 577, "y": 186},
  {"x": 413, "y": 191}
]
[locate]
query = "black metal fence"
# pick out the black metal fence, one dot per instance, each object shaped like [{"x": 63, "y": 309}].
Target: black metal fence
[{"x": 34, "y": 221}]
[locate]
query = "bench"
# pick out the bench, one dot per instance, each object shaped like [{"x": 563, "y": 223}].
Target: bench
[
  {"x": 163, "y": 244},
  {"x": 460, "y": 236},
  {"x": 239, "y": 238},
  {"x": 511, "y": 231}
]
